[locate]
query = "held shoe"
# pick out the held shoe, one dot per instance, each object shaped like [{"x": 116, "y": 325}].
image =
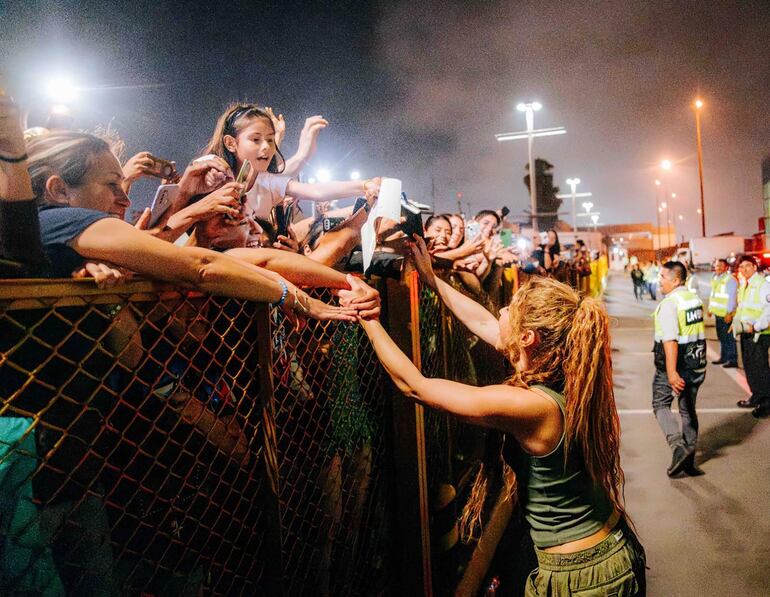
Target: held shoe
[{"x": 678, "y": 461}]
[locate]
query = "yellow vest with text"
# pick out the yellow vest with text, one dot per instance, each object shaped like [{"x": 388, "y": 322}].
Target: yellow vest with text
[
  {"x": 750, "y": 303},
  {"x": 719, "y": 298},
  {"x": 691, "y": 334}
]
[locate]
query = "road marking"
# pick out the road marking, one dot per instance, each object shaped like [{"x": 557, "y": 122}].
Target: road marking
[{"x": 704, "y": 411}]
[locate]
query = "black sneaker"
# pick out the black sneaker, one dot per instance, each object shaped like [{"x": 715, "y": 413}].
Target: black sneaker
[
  {"x": 678, "y": 461},
  {"x": 762, "y": 411}
]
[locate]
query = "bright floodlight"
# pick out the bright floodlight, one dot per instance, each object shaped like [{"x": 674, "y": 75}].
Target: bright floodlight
[
  {"x": 666, "y": 164},
  {"x": 311, "y": 180},
  {"x": 595, "y": 218},
  {"x": 323, "y": 175},
  {"x": 587, "y": 206},
  {"x": 355, "y": 175},
  {"x": 663, "y": 204},
  {"x": 657, "y": 183},
  {"x": 573, "y": 181},
  {"x": 536, "y": 106},
  {"x": 698, "y": 104},
  {"x": 673, "y": 195},
  {"x": 698, "y": 210},
  {"x": 61, "y": 110},
  {"x": 62, "y": 90},
  {"x": 660, "y": 210},
  {"x": 521, "y": 107},
  {"x": 521, "y": 243},
  {"x": 681, "y": 217}
]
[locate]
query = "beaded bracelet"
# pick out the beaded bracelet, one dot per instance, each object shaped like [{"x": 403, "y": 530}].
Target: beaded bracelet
[{"x": 284, "y": 294}]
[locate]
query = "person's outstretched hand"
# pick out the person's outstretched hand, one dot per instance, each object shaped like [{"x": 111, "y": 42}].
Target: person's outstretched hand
[
  {"x": 308, "y": 138},
  {"x": 422, "y": 261},
  {"x": 203, "y": 176},
  {"x": 362, "y": 297}
]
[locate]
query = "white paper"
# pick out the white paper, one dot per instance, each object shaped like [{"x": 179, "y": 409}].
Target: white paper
[{"x": 388, "y": 206}]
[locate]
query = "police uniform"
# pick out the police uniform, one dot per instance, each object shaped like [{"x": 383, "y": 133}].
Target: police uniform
[
  {"x": 679, "y": 317},
  {"x": 722, "y": 301},
  {"x": 754, "y": 309}
]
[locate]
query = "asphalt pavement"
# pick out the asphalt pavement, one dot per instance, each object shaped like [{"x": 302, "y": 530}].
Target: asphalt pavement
[{"x": 706, "y": 535}]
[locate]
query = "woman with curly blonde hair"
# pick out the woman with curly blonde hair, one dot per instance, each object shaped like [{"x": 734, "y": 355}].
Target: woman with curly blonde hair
[{"x": 560, "y": 408}]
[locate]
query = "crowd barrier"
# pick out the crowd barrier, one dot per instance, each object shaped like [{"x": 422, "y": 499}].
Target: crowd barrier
[{"x": 155, "y": 441}]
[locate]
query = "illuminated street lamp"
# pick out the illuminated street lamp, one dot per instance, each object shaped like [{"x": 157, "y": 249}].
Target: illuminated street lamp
[
  {"x": 587, "y": 206},
  {"x": 62, "y": 90},
  {"x": 573, "y": 183},
  {"x": 595, "y": 219},
  {"x": 666, "y": 165},
  {"x": 698, "y": 106},
  {"x": 529, "y": 110},
  {"x": 657, "y": 217}
]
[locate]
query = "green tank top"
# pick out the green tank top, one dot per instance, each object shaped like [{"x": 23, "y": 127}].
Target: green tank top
[{"x": 561, "y": 502}]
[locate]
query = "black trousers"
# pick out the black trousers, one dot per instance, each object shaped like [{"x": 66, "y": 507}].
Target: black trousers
[
  {"x": 755, "y": 363},
  {"x": 728, "y": 351}
]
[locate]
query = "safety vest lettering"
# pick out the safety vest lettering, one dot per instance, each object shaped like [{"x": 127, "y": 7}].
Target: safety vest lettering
[{"x": 694, "y": 315}]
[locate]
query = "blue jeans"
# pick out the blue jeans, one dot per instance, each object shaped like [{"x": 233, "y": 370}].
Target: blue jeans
[
  {"x": 728, "y": 351},
  {"x": 663, "y": 397}
]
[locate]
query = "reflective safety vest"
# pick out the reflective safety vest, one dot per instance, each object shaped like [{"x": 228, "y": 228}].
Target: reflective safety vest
[
  {"x": 750, "y": 304},
  {"x": 719, "y": 298},
  {"x": 691, "y": 335}
]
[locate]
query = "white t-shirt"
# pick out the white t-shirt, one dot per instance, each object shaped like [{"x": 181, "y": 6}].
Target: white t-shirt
[{"x": 267, "y": 191}]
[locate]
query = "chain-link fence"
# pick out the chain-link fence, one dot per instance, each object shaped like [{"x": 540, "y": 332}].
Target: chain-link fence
[{"x": 160, "y": 442}]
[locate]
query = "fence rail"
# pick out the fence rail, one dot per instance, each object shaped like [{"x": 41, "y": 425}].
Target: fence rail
[{"x": 155, "y": 441}]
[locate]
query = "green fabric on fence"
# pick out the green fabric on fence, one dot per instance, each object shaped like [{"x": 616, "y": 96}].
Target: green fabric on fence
[{"x": 26, "y": 562}]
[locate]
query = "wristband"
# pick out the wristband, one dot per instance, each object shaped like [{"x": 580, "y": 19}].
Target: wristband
[
  {"x": 12, "y": 160},
  {"x": 284, "y": 294}
]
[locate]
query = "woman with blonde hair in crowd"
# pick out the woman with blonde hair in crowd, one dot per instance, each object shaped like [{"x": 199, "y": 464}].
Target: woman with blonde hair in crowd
[{"x": 560, "y": 408}]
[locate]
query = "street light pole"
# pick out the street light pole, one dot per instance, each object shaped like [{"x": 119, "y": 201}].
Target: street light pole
[
  {"x": 657, "y": 218},
  {"x": 698, "y": 106},
  {"x": 529, "y": 110},
  {"x": 573, "y": 183}
]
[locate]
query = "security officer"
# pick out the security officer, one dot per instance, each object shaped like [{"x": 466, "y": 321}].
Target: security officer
[
  {"x": 722, "y": 304},
  {"x": 750, "y": 325},
  {"x": 680, "y": 364}
]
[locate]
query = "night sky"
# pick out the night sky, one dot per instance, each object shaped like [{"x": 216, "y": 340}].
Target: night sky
[{"x": 417, "y": 90}]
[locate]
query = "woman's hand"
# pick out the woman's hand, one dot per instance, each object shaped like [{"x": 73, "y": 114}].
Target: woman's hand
[
  {"x": 308, "y": 138},
  {"x": 225, "y": 200},
  {"x": 279, "y": 124},
  {"x": 362, "y": 297},
  {"x": 203, "y": 176},
  {"x": 422, "y": 261},
  {"x": 141, "y": 164},
  {"x": 299, "y": 305},
  {"x": 105, "y": 276},
  {"x": 287, "y": 243},
  {"x": 372, "y": 190}
]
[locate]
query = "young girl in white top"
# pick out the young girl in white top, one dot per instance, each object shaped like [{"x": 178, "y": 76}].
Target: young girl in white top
[{"x": 247, "y": 132}]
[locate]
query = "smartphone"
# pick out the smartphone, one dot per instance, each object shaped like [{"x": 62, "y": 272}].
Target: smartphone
[
  {"x": 164, "y": 197},
  {"x": 506, "y": 237},
  {"x": 472, "y": 230},
  {"x": 331, "y": 223},
  {"x": 504, "y": 211},
  {"x": 360, "y": 202},
  {"x": 163, "y": 168}
]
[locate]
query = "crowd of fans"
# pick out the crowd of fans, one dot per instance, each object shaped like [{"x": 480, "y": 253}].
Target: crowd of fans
[{"x": 228, "y": 225}]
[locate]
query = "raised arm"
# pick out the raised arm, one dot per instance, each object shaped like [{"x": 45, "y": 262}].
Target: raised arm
[
  {"x": 329, "y": 191},
  {"x": 532, "y": 418},
  {"x": 475, "y": 317},
  {"x": 308, "y": 140},
  {"x": 296, "y": 268},
  {"x": 117, "y": 242}
]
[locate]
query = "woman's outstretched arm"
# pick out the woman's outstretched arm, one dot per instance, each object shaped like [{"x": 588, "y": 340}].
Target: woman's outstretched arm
[{"x": 475, "y": 317}]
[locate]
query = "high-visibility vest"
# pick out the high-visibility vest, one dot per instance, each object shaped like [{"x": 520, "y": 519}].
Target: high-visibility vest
[
  {"x": 719, "y": 298},
  {"x": 750, "y": 304},
  {"x": 691, "y": 334}
]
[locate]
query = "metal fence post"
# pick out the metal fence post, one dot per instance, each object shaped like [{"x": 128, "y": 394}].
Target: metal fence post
[
  {"x": 273, "y": 537},
  {"x": 409, "y": 462}
]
